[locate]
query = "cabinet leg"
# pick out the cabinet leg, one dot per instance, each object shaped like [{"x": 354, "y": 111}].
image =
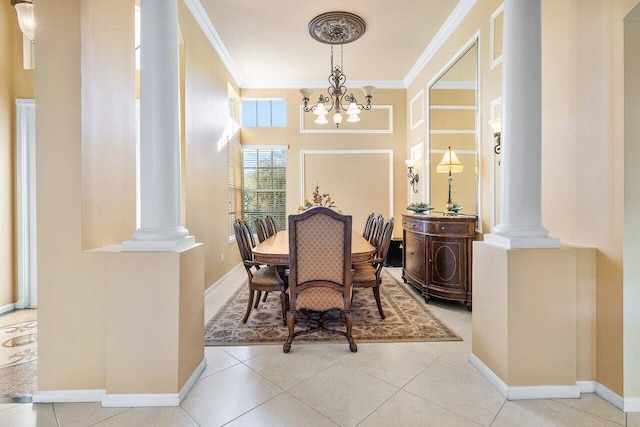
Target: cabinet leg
[
  {"x": 425, "y": 295},
  {"x": 468, "y": 304}
]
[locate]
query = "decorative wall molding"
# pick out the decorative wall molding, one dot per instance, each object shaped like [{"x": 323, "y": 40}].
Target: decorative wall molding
[
  {"x": 303, "y": 153},
  {"x": 493, "y": 60},
  {"x": 493, "y": 172},
  {"x": 416, "y": 106},
  {"x": 330, "y": 128},
  {"x": 455, "y": 85}
]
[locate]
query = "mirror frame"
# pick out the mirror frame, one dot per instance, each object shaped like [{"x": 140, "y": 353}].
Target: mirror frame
[{"x": 474, "y": 40}]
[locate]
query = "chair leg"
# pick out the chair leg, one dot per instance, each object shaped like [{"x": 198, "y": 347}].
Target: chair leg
[
  {"x": 284, "y": 302},
  {"x": 349, "y": 323},
  {"x": 291, "y": 320},
  {"x": 376, "y": 294},
  {"x": 265, "y": 296},
  {"x": 257, "y": 300},
  {"x": 246, "y": 315}
]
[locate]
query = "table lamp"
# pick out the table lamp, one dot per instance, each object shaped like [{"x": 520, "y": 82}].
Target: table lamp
[{"x": 449, "y": 164}]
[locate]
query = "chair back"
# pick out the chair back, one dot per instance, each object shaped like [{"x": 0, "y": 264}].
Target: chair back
[
  {"x": 271, "y": 226},
  {"x": 244, "y": 239},
  {"x": 376, "y": 230},
  {"x": 366, "y": 233},
  {"x": 385, "y": 240},
  {"x": 261, "y": 229},
  {"x": 320, "y": 253}
]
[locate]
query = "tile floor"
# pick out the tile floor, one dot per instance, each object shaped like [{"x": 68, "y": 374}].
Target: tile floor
[{"x": 408, "y": 384}]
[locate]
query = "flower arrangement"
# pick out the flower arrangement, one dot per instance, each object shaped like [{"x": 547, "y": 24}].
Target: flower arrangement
[{"x": 318, "y": 200}]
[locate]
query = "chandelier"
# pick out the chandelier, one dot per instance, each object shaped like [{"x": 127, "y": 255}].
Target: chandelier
[{"x": 337, "y": 28}]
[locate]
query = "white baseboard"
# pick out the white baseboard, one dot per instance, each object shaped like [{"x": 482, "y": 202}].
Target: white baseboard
[
  {"x": 495, "y": 380},
  {"x": 154, "y": 399},
  {"x": 609, "y": 396},
  {"x": 632, "y": 404},
  {"x": 6, "y": 308},
  {"x": 121, "y": 400},
  {"x": 222, "y": 279},
  {"x": 56, "y": 396},
  {"x": 586, "y": 386}
]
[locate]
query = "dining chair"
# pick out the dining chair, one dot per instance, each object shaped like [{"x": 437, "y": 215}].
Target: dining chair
[
  {"x": 369, "y": 274},
  {"x": 271, "y": 226},
  {"x": 376, "y": 230},
  {"x": 261, "y": 278},
  {"x": 261, "y": 229},
  {"x": 320, "y": 273}
]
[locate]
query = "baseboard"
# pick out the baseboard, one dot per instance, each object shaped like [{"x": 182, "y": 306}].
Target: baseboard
[
  {"x": 632, "y": 404},
  {"x": 154, "y": 399},
  {"x": 586, "y": 386},
  {"x": 610, "y": 396},
  {"x": 524, "y": 392},
  {"x": 222, "y": 279},
  {"x": 57, "y": 396},
  {"x": 7, "y": 308}
]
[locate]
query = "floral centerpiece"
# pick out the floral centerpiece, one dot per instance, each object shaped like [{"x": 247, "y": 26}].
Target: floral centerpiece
[{"x": 318, "y": 200}]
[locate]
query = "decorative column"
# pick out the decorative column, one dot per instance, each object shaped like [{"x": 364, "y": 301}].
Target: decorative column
[
  {"x": 520, "y": 201},
  {"x": 160, "y": 228}
]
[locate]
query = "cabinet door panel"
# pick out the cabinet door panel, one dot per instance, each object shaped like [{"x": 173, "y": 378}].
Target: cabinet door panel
[
  {"x": 447, "y": 263},
  {"x": 415, "y": 255}
]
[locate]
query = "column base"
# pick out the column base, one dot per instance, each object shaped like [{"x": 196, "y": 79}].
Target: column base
[
  {"x": 176, "y": 245},
  {"x": 521, "y": 242}
]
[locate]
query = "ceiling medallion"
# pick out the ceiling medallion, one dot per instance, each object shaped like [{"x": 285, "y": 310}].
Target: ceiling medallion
[{"x": 336, "y": 27}]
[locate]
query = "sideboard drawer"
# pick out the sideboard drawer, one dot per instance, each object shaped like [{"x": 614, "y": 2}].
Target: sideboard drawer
[
  {"x": 413, "y": 225},
  {"x": 440, "y": 228}
]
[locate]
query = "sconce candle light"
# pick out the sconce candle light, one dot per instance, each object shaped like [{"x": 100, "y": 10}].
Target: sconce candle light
[
  {"x": 496, "y": 125},
  {"x": 449, "y": 164},
  {"x": 413, "y": 178},
  {"x": 24, "y": 9}
]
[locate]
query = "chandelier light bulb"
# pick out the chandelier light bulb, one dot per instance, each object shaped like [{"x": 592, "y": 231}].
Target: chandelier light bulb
[
  {"x": 321, "y": 120},
  {"x": 353, "y": 109},
  {"x": 353, "y": 118},
  {"x": 337, "y": 118},
  {"x": 320, "y": 110}
]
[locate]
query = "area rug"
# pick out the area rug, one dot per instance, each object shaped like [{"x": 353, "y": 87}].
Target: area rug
[
  {"x": 407, "y": 319},
  {"x": 18, "y": 355}
]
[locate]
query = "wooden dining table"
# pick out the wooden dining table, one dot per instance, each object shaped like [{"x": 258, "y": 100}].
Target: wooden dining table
[{"x": 275, "y": 249}]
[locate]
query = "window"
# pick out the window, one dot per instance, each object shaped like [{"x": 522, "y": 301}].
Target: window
[
  {"x": 264, "y": 184},
  {"x": 264, "y": 113},
  {"x": 234, "y": 185}
]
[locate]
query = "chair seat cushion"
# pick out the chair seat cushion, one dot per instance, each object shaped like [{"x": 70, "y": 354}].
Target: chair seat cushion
[
  {"x": 320, "y": 299},
  {"x": 364, "y": 273},
  {"x": 265, "y": 276}
]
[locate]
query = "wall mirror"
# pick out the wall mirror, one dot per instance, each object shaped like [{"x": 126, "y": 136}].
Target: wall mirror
[{"x": 453, "y": 123}]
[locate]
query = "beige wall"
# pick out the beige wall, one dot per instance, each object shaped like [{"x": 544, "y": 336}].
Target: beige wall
[
  {"x": 582, "y": 142},
  {"x": 15, "y": 82},
  {"x": 297, "y": 141}
]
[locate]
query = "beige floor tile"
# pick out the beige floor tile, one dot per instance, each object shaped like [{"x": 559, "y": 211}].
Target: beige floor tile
[
  {"x": 460, "y": 388},
  {"x": 343, "y": 394},
  {"x": 217, "y": 360},
  {"x": 28, "y": 415},
  {"x": 18, "y": 316},
  {"x": 633, "y": 419},
  {"x": 83, "y": 414},
  {"x": 156, "y": 417},
  {"x": 543, "y": 413},
  {"x": 389, "y": 362},
  {"x": 4, "y": 406},
  {"x": 283, "y": 410},
  {"x": 301, "y": 363},
  {"x": 595, "y": 405},
  {"x": 405, "y": 409},
  {"x": 225, "y": 395},
  {"x": 246, "y": 352}
]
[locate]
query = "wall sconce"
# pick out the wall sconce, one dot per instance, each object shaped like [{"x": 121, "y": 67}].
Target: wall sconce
[
  {"x": 449, "y": 163},
  {"x": 24, "y": 9},
  {"x": 496, "y": 125},
  {"x": 413, "y": 178}
]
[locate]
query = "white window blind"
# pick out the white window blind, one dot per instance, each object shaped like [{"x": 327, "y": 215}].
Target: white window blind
[
  {"x": 234, "y": 185},
  {"x": 264, "y": 182}
]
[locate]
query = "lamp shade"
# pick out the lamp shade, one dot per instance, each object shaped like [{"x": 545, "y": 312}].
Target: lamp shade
[
  {"x": 306, "y": 93},
  {"x": 410, "y": 163},
  {"x": 496, "y": 125},
  {"x": 368, "y": 90},
  {"x": 449, "y": 163},
  {"x": 24, "y": 9}
]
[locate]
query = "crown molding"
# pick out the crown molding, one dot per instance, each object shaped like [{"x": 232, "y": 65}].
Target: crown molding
[
  {"x": 452, "y": 22},
  {"x": 201, "y": 17},
  {"x": 315, "y": 84}
]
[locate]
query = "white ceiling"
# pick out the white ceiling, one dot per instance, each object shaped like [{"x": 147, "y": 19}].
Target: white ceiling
[{"x": 268, "y": 43}]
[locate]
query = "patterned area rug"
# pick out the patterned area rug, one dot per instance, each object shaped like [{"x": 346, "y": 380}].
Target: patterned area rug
[
  {"x": 407, "y": 319},
  {"x": 18, "y": 354}
]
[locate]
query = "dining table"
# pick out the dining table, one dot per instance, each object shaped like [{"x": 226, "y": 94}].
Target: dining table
[{"x": 275, "y": 249}]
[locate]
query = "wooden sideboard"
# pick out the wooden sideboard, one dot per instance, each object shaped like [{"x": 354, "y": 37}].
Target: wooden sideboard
[{"x": 438, "y": 254}]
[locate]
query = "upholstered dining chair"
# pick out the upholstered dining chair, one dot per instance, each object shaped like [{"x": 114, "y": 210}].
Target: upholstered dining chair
[
  {"x": 369, "y": 274},
  {"x": 366, "y": 232},
  {"x": 271, "y": 226},
  {"x": 376, "y": 230},
  {"x": 319, "y": 273},
  {"x": 261, "y": 278},
  {"x": 261, "y": 229}
]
